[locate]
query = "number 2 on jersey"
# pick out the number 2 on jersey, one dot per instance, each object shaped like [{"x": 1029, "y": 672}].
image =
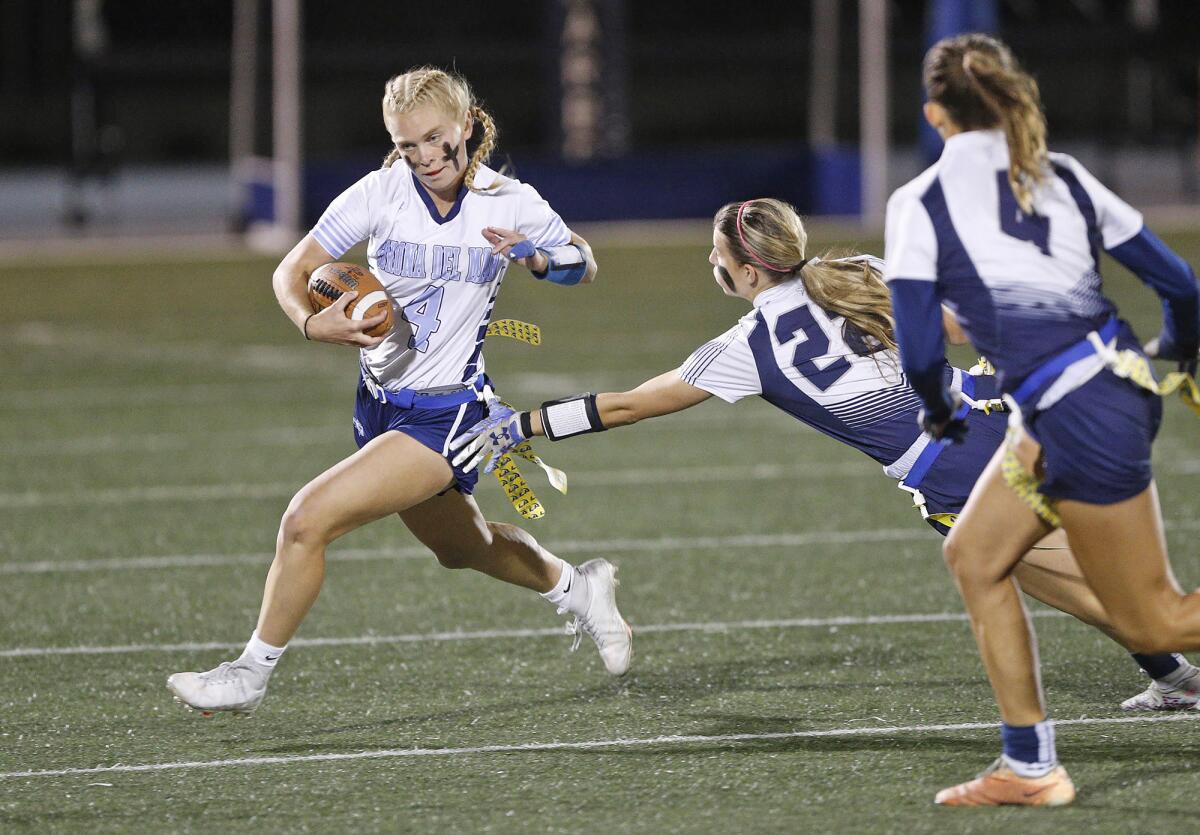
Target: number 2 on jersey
[
  {"x": 814, "y": 344},
  {"x": 422, "y": 313}
]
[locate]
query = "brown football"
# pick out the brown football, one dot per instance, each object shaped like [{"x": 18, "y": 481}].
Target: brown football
[{"x": 329, "y": 281}]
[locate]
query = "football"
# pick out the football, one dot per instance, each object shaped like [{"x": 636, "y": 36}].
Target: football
[{"x": 329, "y": 281}]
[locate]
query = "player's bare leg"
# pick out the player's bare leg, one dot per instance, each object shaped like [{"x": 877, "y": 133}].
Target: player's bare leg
[
  {"x": 996, "y": 529},
  {"x": 390, "y": 474},
  {"x": 1051, "y": 574},
  {"x": 1123, "y": 554},
  {"x": 993, "y": 533},
  {"x": 452, "y": 526}
]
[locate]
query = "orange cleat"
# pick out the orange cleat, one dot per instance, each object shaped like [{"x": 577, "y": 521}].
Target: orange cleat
[{"x": 999, "y": 785}]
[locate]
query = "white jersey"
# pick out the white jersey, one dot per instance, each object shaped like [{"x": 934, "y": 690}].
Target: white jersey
[
  {"x": 440, "y": 272},
  {"x": 1024, "y": 286},
  {"x": 810, "y": 364}
]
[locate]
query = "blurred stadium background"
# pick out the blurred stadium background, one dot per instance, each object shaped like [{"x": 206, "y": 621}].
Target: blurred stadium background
[
  {"x": 136, "y": 117},
  {"x": 803, "y": 664}
]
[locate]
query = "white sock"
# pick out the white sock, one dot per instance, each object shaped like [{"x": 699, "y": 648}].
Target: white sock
[
  {"x": 260, "y": 652},
  {"x": 572, "y": 592}
]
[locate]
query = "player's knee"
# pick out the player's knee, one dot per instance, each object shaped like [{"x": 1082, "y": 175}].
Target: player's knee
[
  {"x": 453, "y": 557},
  {"x": 968, "y": 565},
  {"x": 954, "y": 555},
  {"x": 302, "y": 523},
  {"x": 457, "y": 553}
]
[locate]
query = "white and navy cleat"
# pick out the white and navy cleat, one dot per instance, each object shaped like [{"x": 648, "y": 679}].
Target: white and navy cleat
[
  {"x": 1184, "y": 696},
  {"x": 603, "y": 622},
  {"x": 236, "y": 687}
]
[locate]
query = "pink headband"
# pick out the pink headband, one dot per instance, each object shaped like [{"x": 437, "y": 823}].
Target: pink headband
[{"x": 746, "y": 246}]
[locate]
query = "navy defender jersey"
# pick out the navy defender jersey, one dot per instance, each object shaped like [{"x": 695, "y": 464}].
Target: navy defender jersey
[
  {"x": 802, "y": 360},
  {"x": 1024, "y": 286}
]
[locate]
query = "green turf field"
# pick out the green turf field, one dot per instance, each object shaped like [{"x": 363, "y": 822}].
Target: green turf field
[{"x": 156, "y": 417}]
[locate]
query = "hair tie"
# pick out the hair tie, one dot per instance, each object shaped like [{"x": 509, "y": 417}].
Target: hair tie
[
  {"x": 746, "y": 246},
  {"x": 800, "y": 266}
]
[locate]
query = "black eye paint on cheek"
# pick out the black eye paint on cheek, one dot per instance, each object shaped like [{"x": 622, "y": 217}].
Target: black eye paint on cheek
[
  {"x": 451, "y": 155},
  {"x": 727, "y": 278},
  {"x": 411, "y": 158}
]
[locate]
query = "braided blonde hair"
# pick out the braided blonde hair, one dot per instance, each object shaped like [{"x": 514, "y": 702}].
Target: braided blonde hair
[
  {"x": 768, "y": 234},
  {"x": 980, "y": 84},
  {"x": 429, "y": 85}
]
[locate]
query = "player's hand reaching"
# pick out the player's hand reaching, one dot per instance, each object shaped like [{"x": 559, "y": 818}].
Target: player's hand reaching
[
  {"x": 490, "y": 438},
  {"x": 333, "y": 325},
  {"x": 515, "y": 246},
  {"x": 941, "y": 423}
]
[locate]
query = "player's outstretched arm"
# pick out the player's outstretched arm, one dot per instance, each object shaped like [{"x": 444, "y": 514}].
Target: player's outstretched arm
[
  {"x": 504, "y": 428},
  {"x": 290, "y": 282}
]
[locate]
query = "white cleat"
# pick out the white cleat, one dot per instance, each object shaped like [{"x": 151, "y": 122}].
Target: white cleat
[
  {"x": 234, "y": 686},
  {"x": 1184, "y": 696},
  {"x": 603, "y": 622}
]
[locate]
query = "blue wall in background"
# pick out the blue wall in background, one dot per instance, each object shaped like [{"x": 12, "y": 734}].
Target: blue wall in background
[{"x": 692, "y": 184}]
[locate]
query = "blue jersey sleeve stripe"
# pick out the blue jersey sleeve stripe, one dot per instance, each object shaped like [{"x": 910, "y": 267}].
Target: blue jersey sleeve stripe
[
  {"x": 331, "y": 245},
  {"x": 341, "y": 230},
  {"x": 335, "y": 233},
  {"x": 335, "y": 240}
]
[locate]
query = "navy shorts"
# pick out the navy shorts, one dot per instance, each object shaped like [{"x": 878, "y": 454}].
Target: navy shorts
[
  {"x": 1096, "y": 441},
  {"x": 432, "y": 427},
  {"x": 950, "y": 480}
]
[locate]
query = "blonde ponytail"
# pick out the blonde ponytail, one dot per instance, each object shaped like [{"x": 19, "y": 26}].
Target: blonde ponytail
[{"x": 979, "y": 83}]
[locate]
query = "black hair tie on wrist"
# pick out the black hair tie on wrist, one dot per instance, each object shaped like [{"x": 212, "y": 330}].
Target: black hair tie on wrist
[{"x": 306, "y": 336}]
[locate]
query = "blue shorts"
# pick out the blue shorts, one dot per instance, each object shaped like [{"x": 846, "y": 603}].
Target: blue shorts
[
  {"x": 1096, "y": 441},
  {"x": 950, "y": 480},
  {"x": 432, "y": 427}
]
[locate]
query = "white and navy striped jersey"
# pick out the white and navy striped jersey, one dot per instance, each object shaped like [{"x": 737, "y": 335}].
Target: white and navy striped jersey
[
  {"x": 439, "y": 271},
  {"x": 1024, "y": 286},
  {"x": 810, "y": 364}
]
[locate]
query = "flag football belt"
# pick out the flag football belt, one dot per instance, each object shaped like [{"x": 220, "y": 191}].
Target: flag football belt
[
  {"x": 515, "y": 487},
  {"x": 911, "y": 482},
  {"x": 444, "y": 397},
  {"x": 1127, "y": 364}
]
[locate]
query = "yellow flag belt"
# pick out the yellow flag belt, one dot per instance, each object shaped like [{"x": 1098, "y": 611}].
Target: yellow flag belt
[{"x": 515, "y": 487}]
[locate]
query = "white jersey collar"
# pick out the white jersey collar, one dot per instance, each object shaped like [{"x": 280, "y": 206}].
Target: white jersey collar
[{"x": 771, "y": 293}]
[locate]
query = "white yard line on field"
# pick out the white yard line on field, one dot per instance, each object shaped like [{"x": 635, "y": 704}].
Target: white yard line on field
[
  {"x": 493, "y": 634},
  {"x": 585, "y": 745},
  {"x": 570, "y": 546},
  {"x": 915, "y": 532}
]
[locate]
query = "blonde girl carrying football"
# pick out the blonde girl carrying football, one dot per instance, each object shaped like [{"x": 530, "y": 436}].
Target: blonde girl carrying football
[{"x": 441, "y": 228}]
